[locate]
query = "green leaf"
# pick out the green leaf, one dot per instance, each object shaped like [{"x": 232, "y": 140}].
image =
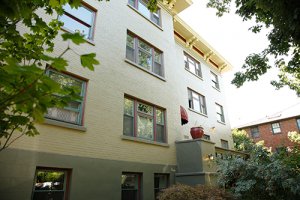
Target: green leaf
[
  {"x": 87, "y": 60},
  {"x": 38, "y": 115},
  {"x": 12, "y": 65},
  {"x": 76, "y": 38}
]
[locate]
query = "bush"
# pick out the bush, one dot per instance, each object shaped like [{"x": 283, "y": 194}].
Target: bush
[{"x": 185, "y": 192}]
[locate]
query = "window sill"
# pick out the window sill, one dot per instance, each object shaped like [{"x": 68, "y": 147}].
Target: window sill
[
  {"x": 221, "y": 122},
  {"x": 277, "y": 133},
  {"x": 65, "y": 125},
  {"x": 69, "y": 31},
  {"x": 136, "y": 139},
  {"x": 194, "y": 74},
  {"x": 136, "y": 65},
  {"x": 216, "y": 89},
  {"x": 198, "y": 112},
  {"x": 144, "y": 17}
]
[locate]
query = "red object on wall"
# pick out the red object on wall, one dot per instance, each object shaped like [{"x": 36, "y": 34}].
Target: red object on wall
[
  {"x": 184, "y": 116},
  {"x": 197, "y": 132}
]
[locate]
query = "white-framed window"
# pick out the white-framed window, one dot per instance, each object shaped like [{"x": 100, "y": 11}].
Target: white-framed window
[
  {"x": 215, "y": 81},
  {"x": 141, "y": 6},
  {"x": 254, "y": 132},
  {"x": 192, "y": 65},
  {"x": 79, "y": 20},
  {"x": 196, "y": 102},
  {"x": 74, "y": 112},
  {"x": 220, "y": 113},
  {"x": 276, "y": 127}
]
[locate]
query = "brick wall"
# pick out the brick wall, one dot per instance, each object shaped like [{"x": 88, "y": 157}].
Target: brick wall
[{"x": 274, "y": 140}]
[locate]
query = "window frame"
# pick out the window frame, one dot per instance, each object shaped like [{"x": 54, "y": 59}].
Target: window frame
[
  {"x": 90, "y": 36},
  {"x": 66, "y": 180},
  {"x": 166, "y": 182},
  {"x": 226, "y": 144},
  {"x": 220, "y": 114},
  {"x": 191, "y": 105},
  {"x": 278, "y": 150},
  {"x": 251, "y": 129},
  {"x": 206, "y": 136},
  {"x": 82, "y": 94},
  {"x": 136, "y": 7},
  {"x": 216, "y": 81},
  {"x": 298, "y": 123},
  {"x": 273, "y": 128},
  {"x": 138, "y": 185},
  {"x": 187, "y": 64},
  {"x": 137, "y": 113},
  {"x": 136, "y": 50}
]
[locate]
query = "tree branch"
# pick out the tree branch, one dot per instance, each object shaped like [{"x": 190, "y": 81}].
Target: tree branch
[{"x": 9, "y": 27}]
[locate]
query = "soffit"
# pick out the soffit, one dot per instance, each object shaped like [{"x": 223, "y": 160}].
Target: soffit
[{"x": 193, "y": 39}]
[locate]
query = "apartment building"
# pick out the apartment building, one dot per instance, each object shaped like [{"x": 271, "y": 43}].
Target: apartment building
[
  {"x": 273, "y": 129},
  {"x": 119, "y": 142}
]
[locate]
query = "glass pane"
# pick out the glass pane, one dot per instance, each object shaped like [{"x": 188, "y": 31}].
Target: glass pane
[
  {"x": 224, "y": 144},
  {"x": 48, "y": 195},
  {"x": 202, "y": 104},
  {"x": 185, "y": 61},
  {"x": 198, "y": 72},
  {"x": 156, "y": 19},
  {"x": 128, "y": 107},
  {"x": 220, "y": 117},
  {"x": 159, "y": 117},
  {"x": 63, "y": 115},
  {"x": 192, "y": 66},
  {"x": 130, "y": 41},
  {"x": 160, "y": 181},
  {"x": 145, "y": 108},
  {"x": 47, "y": 180},
  {"x": 64, "y": 80},
  {"x": 298, "y": 122},
  {"x": 160, "y": 133},
  {"x": 132, "y": 2},
  {"x": 129, "y": 195},
  {"x": 129, "y": 181},
  {"x": 196, "y": 96},
  {"x": 157, "y": 56},
  {"x": 276, "y": 130},
  {"x": 145, "y": 127},
  {"x": 157, "y": 69},
  {"x": 130, "y": 53},
  {"x": 143, "y": 9},
  {"x": 145, "y": 60},
  {"x": 196, "y": 104},
  {"x": 81, "y": 13},
  {"x": 275, "y": 125},
  {"x": 145, "y": 46},
  {"x": 128, "y": 125},
  {"x": 190, "y": 99},
  {"x": 74, "y": 105},
  {"x": 218, "y": 108},
  {"x": 74, "y": 25},
  {"x": 213, "y": 77}
]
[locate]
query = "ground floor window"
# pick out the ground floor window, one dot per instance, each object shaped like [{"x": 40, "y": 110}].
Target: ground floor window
[
  {"x": 160, "y": 182},
  {"x": 130, "y": 186},
  {"x": 51, "y": 184}
]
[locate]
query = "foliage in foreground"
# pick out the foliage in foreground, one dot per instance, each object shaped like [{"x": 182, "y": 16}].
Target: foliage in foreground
[
  {"x": 185, "y": 192},
  {"x": 283, "y": 20},
  {"x": 262, "y": 176}
]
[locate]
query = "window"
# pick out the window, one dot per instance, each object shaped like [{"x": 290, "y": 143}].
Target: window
[
  {"x": 196, "y": 102},
  {"x": 254, "y": 131},
  {"x": 130, "y": 186},
  {"x": 160, "y": 183},
  {"x": 73, "y": 113},
  {"x": 51, "y": 184},
  {"x": 192, "y": 65},
  {"x": 214, "y": 79},
  {"x": 224, "y": 144},
  {"x": 276, "y": 127},
  {"x": 143, "y": 121},
  {"x": 79, "y": 20},
  {"x": 144, "y": 55},
  {"x": 282, "y": 151},
  {"x": 298, "y": 122},
  {"x": 206, "y": 137},
  {"x": 141, "y": 6},
  {"x": 220, "y": 114}
]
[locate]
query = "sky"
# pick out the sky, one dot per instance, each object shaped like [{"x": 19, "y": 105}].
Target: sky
[{"x": 230, "y": 36}]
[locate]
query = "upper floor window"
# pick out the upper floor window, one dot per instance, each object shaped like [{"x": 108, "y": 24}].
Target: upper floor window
[
  {"x": 224, "y": 144},
  {"x": 79, "y": 20},
  {"x": 214, "y": 79},
  {"x": 73, "y": 113},
  {"x": 143, "y": 121},
  {"x": 196, "y": 102},
  {"x": 192, "y": 65},
  {"x": 141, "y": 6},
  {"x": 144, "y": 54},
  {"x": 220, "y": 114},
  {"x": 276, "y": 127},
  {"x": 254, "y": 131}
]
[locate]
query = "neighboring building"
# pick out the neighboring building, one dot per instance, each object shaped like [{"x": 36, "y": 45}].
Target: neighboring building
[
  {"x": 126, "y": 128},
  {"x": 274, "y": 128}
]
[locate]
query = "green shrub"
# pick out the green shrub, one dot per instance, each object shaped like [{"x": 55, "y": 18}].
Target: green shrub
[{"x": 185, "y": 192}]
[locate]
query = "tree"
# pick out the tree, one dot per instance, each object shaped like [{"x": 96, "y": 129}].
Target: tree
[
  {"x": 263, "y": 175},
  {"x": 241, "y": 140},
  {"x": 283, "y": 20}
]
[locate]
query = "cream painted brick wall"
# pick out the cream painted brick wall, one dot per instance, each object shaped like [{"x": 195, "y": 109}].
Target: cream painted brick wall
[{"x": 107, "y": 85}]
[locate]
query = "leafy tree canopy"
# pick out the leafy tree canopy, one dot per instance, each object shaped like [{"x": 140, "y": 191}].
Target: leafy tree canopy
[
  {"x": 242, "y": 142},
  {"x": 282, "y": 17}
]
